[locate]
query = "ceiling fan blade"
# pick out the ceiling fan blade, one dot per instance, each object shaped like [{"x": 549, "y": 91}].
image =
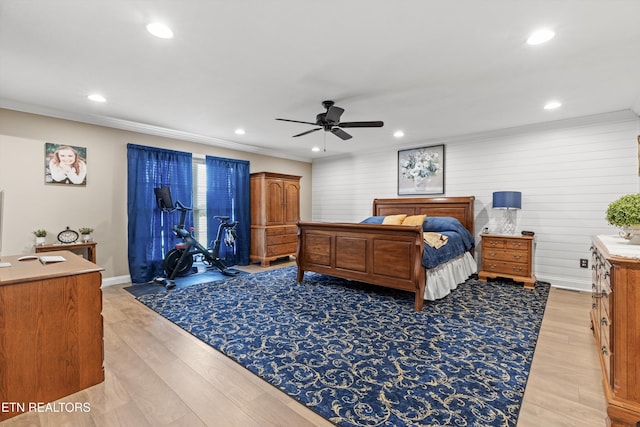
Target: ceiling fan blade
[
  {"x": 297, "y": 121},
  {"x": 376, "y": 124},
  {"x": 333, "y": 114},
  {"x": 340, "y": 133},
  {"x": 304, "y": 133}
]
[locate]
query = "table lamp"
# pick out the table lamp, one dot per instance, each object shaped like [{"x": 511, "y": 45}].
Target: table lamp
[{"x": 509, "y": 201}]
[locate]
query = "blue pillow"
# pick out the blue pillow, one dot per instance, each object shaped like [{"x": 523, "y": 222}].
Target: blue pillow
[
  {"x": 439, "y": 224},
  {"x": 373, "y": 220}
]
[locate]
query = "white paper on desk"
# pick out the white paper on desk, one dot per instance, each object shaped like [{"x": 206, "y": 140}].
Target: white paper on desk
[{"x": 46, "y": 259}]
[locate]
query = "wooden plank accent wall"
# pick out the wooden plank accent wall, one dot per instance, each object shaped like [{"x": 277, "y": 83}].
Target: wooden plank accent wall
[{"x": 568, "y": 172}]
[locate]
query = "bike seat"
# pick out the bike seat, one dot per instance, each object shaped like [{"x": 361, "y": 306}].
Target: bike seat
[{"x": 222, "y": 218}]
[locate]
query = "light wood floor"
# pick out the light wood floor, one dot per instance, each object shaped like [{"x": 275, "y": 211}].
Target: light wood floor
[{"x": 159, "y": 375}]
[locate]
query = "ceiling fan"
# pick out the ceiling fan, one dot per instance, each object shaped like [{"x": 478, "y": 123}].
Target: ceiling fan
[{"x": 330, "y": 122}]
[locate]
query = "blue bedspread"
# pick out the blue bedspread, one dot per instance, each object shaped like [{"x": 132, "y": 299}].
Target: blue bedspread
[{"x": 460, "y": 239}]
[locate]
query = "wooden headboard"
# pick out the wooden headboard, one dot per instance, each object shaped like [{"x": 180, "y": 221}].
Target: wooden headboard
[{"x": 460, "y": 208}]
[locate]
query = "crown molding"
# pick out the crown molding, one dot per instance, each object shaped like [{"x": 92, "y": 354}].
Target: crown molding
[
  {"x": 574, "y": 122},
  {"x": 147, "y": 129}
]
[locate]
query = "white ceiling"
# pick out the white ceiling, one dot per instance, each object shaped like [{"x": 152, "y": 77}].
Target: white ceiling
[{"x": 433, "y": 68}]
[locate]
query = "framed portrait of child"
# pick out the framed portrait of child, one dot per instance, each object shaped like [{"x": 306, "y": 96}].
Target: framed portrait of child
[{"x": 65, "y": 164}]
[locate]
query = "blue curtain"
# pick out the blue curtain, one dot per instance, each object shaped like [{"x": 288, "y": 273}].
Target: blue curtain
[
  {"x": 149, "y": 229},
  {"x": 228, "y": 194}
]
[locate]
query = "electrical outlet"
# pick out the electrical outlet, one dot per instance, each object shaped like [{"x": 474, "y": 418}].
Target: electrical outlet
[{"x": 584, "y": 263}]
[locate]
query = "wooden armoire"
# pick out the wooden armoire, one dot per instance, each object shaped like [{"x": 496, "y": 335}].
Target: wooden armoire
[{"x": 275, "y": 209}]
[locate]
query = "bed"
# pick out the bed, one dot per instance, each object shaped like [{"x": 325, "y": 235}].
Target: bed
[{"x": 394, "y": 256}]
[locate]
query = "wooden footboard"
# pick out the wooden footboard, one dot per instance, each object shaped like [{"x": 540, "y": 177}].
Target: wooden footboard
[{"x": 385, "y": 255}]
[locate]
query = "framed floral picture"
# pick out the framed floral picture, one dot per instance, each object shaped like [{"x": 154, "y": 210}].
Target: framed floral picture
[{"x": 421, "y": 170}]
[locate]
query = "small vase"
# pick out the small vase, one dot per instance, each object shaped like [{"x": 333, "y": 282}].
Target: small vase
[
  {"x": 86, "y": 238},
  {"x": 40, "y": 241},
  {"x": 420, "y": 184},
  {"x": 632, "y": 234}
]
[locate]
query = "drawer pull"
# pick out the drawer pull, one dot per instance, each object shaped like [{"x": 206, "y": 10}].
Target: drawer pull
[
  {"x": 603, "y": 321},
  {"x": 517, "y": 256},
  {"x": 517, "y": 269},
  {"x": 593, "y": 305},
  {"x": 604, "y": 350},
  {"x": 606, "y": 274}
]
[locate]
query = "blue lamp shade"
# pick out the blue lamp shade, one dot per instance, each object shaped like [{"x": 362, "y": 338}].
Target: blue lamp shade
[{"x": 507, "y": 200}]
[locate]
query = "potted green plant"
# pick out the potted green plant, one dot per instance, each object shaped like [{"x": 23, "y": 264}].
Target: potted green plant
[
  {"x": 86, "y": 233},
  {"x": 625, "y": 213},
  {"x": 40, "y": 236}
]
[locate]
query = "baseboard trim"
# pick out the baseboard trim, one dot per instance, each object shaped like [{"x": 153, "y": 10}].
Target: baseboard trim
[
  {"x": 562, "y": 283},
  {"x": 118, "y": 280}
]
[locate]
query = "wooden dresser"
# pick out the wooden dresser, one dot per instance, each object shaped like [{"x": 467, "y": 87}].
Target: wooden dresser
[
  {"x": 508, "y": 256},
  {"x": 51, "y": 338},
  {"x": 615, "y": 320},
  {"x": 275, "y": 210}
]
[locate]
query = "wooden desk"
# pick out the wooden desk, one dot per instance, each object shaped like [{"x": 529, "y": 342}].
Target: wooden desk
[
  {"x": 51, "y": 337},
  {"x": 88, "y": 247}
]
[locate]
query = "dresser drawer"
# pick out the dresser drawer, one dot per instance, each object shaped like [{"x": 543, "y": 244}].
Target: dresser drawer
[
  {"x": 277, "y": 231},
  {"x": 282, "y": 238},
  {"x": 284, "y": 249},
  {"x": 506, "y": 267}
]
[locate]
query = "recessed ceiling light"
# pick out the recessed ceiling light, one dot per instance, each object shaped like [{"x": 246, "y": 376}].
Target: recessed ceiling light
[
  {"x": 542, "y": 35},
  {"x": 160, "y": 30},
  {"x": 240, "y": 132},
  {"x": 398, "y": 134},
  {"x": 552, "y": 105},
  {"x": 315, "y": 149},
  {"x": 96, "y": 97}
]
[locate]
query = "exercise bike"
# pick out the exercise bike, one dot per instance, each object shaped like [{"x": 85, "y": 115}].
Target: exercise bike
[{"x": 179, "y": 260}]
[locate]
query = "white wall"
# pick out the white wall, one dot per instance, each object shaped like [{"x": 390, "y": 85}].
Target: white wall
[{"x": 568, "y": 172}]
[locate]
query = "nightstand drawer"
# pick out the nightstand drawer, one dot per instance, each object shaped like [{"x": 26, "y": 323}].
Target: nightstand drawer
[
  {"x": 506, "y": 255},
  {"x": 505, "y": 267},
  {"x": 493, "y": 242},
  {"x": 502, "y": 243}
]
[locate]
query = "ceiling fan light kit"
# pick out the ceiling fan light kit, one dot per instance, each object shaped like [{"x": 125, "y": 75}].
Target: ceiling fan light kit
[{"x": 329, "y": 121}]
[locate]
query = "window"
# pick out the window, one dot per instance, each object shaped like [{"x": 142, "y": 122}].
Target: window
[{"x": 200, "y": 201}]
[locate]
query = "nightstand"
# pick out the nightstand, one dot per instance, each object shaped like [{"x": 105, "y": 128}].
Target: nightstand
[{"x": 508, "y": 256}]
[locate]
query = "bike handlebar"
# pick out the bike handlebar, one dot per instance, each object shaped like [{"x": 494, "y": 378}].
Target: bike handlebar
[{"x": 181, "y": 207}]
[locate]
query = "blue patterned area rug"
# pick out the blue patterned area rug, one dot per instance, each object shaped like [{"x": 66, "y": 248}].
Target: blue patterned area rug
[{"x": 359, "y": 355}]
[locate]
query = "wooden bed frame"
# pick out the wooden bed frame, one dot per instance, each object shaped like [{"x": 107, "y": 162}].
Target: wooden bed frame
[{"x": 384, "y": 255}]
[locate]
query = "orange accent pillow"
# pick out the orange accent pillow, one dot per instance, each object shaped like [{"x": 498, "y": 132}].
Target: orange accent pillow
[
  {"x": 394, "y": 219},
  {"x": 414, "y": 220}
]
